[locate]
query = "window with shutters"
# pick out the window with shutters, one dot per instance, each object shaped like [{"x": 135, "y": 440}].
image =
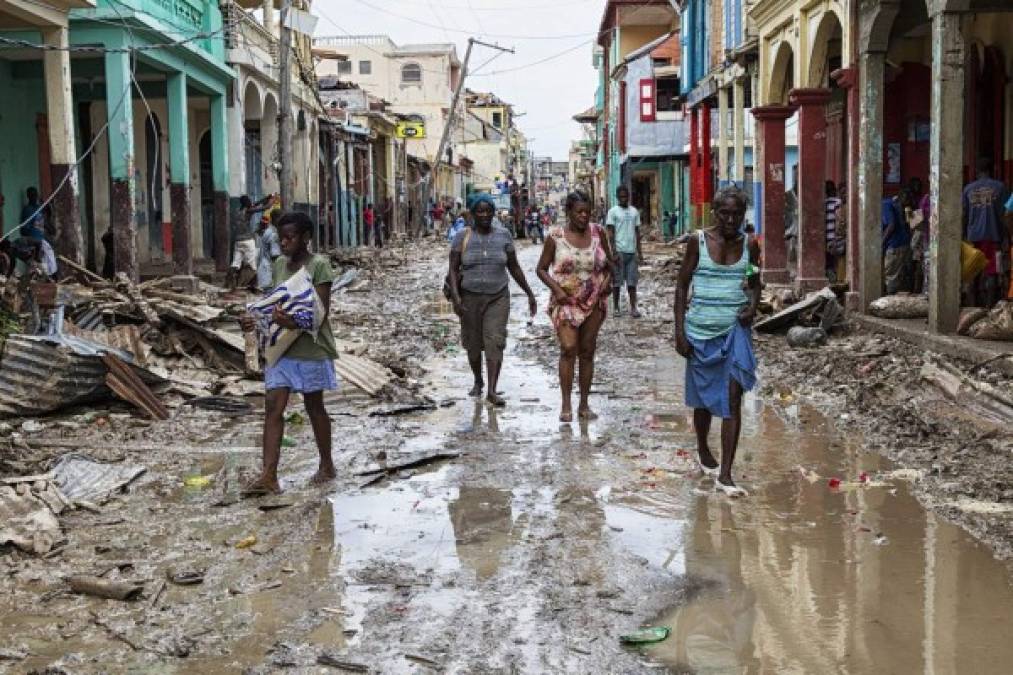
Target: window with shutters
[
  {"x": 411, "y": 73},
  {"x": 647, "y": 100}
]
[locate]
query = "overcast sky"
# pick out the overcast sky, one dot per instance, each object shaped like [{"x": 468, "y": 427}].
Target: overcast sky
[{"x": 549, "y": 93}]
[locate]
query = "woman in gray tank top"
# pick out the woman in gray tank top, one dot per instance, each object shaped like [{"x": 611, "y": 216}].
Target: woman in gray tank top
[{"x": 480, "y": 258}]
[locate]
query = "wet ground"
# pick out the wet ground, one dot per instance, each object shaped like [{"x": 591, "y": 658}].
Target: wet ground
[{"x": 531, "y": 552}]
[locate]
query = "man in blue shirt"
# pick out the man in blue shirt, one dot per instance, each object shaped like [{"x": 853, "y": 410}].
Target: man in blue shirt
[
  {"x": 984, "y": 200},
  {"x": 896, "y": 243}
]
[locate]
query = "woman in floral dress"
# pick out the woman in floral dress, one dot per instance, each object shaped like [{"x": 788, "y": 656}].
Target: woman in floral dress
[{"x": 576, "y": 265}]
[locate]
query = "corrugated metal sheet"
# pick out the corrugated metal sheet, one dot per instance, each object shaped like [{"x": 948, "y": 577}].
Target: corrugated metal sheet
[
  {"x": 365, "y": 374},
  {"x": 43, "y": 373},
  {"x": 82, "y": 478},
  {"x": 38, "y": 377},
  {"x": 179, "y": 311}
]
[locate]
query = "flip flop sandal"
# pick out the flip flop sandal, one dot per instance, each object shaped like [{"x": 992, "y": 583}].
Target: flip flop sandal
[
  {"x": 706, "y": 470},
  {"x": 733, "y": 491}
]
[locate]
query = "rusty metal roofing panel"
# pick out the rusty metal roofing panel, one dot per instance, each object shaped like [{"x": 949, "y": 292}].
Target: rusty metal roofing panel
[
  {"x": 82, "y": 478},
  {"x": 38, "y": 377},
  {"x": 364, "y": 373},
  {"x": 43, "y": 373}
]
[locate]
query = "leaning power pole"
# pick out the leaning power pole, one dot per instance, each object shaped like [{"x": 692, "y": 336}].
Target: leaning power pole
[
  {"x": 441, "y": 151},
  {"x": 285, "y": 109}
]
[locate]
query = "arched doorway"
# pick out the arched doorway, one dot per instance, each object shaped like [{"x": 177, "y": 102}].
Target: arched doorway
[
  {"x": 253, "y": 111},
  {"x": 782, "y": 75},
  {"x": 207, "y": 197},
  {"x": 826, "y": 56},
  {"x": 153, "y": 188}
]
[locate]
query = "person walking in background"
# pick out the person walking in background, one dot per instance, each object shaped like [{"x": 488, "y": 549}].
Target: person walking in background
[
  {"x": 831, "y": 208},
  {"x": 481, "y": 257},
  {"x": 713, "y": 330},
  {"x": 623, "y": 222},
  {"x": 268, "y": 251},
  {"x": 576, "y": 263},
  {"x": 369, "y": 221},
  {"x": 245, "y": 225},
  {"x": 896, "y": 243},
  {"x": 984, "y": 200}
]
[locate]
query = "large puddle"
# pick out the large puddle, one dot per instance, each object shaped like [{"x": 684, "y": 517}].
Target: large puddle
[
  {"x": 806, "y": 578},
  {"x": 800, "y": 577}
]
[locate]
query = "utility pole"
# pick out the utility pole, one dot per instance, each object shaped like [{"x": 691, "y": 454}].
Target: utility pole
[
  {"x": 285, "y": 110},
  {"x": 445, "y": 137}
]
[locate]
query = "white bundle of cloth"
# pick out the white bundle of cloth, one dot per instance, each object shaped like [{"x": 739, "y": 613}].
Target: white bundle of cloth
[{"x": 297, "y": 298}]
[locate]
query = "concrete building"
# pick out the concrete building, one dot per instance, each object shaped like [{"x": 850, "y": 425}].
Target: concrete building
[
  {"x": 415, "y": 79},
  {"x": 159, "y": 94},
  {"x": 495, "y": 154},
  {"x": 252, "y": 49},
  {"x": 38, "y": 136},
  {"x": 642, "y": 126}
]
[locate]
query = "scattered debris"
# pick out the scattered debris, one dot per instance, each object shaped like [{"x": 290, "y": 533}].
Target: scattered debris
[
  {"x": 128, "y": 386},
  {"x": 327, "y": 659},
  {"x": 801, "y": 336},
  {"x": 818, "y": 308},
  {"x": 646, "y": 635},
  {"x": 81, "y": 478},
  {"x": 900, "y": 306},
  {"x": 104, "y": 588},
  {"x": 364, "y": 373}
]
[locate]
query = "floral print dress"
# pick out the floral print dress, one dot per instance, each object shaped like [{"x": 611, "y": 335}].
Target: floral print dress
[{"x": 583, "y": 274}]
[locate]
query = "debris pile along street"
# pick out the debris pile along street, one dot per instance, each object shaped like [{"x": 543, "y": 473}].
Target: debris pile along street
[{"x": 490, "y": 540}]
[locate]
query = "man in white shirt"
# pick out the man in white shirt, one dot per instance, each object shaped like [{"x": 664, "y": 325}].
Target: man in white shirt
[{"x": 623, "y": 222}]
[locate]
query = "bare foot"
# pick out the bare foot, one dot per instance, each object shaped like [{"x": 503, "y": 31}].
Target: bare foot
[
  {"x": 261, "y": 487},
  {"x": 566, "y": 415},
  {"x": 477, "y": 389},
  {"x": 495, "y": 400},
  {"x": 323, "y": 476},
  {"x": 586, "y": 414}
]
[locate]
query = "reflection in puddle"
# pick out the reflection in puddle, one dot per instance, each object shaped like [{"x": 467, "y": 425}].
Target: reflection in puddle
[
  {"x": 418, "y": 533},
  {"x": 813, "y": 580}
]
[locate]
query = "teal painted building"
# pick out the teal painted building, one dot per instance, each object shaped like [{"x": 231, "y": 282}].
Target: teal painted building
[{"x": 142, "y": 86}]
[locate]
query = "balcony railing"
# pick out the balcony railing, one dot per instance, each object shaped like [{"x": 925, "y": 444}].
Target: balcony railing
[{"x": 247, "y": 41}]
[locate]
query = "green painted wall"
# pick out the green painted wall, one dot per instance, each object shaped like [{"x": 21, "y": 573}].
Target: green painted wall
[
  {"x": 19, "y": 155},
  {"x": 667, "y": 179}
]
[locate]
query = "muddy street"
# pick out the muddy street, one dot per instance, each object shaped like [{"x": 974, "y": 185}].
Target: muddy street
[{"x": 516, "y": 543}]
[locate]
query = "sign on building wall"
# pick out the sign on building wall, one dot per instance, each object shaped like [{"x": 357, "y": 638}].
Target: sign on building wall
[{"x": 411, "y": 130}]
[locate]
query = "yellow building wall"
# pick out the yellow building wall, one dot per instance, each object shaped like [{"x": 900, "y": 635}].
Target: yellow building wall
[{"x": 632, "y": 38}]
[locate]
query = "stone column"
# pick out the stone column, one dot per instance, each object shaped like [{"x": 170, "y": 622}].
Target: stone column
[
  {"x": 847, "y": 78},
  {"x": 771, "y": 120},
  {"x": 812, "y": 140},
  {"x": 220, "y": 179},
  {"x": 269, "y": 16},
  {"x": 179, "y": 173},
  {"x": 738, "y": 129},
  {"x": 723, "y": 173},
  {"x": 62, "y": 150},
  {"x": 870, "y": 181},
  {"x": 945, "y": 171},
  {"x": 120, "y": 115}
]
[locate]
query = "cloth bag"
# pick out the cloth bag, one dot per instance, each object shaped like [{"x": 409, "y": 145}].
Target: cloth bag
[{"x": 298, "y": 298}]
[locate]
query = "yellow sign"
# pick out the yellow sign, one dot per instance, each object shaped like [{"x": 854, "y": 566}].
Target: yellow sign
[{"x": 411, "y": 130}]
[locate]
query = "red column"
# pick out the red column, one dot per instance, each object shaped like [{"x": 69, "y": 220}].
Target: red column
[
  {"x": 847, "y": 78},
  {"x": 812, "y": 167},
  {"x": 707, "y": 168},
  {"x": 694, "y": 168},
  {"x": 775, "y": 254}
]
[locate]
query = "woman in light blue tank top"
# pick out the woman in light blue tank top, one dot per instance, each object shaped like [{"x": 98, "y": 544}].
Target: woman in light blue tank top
[{"x": 714, "y": 332}]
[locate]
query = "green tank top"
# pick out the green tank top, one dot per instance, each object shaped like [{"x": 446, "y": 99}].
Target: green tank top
[{"x": 717, "y": 294}]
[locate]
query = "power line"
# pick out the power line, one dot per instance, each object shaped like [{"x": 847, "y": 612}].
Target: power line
[{"x": 464, "y": 31}]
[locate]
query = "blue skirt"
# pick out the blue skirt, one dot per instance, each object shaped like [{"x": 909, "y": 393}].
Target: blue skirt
[
  {"x": 301, "y": 376},
  {"x": 712, "y": 366}
]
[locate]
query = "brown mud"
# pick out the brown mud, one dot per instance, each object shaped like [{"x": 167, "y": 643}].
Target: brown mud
[{"x": 531, "y": 552}]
